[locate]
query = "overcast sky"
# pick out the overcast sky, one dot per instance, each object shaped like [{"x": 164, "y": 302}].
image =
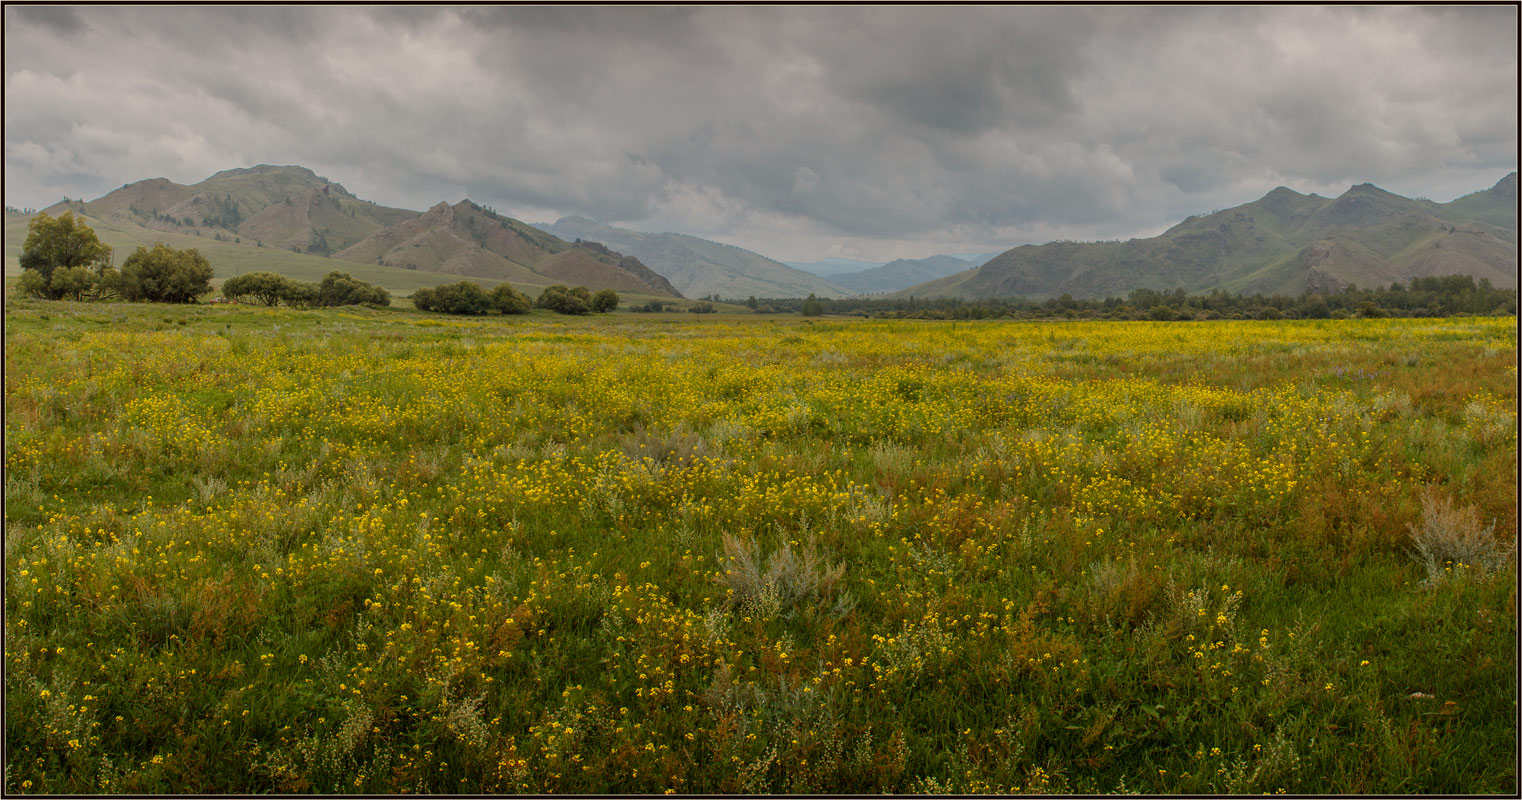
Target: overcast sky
[{"x": 797, "y": 132}]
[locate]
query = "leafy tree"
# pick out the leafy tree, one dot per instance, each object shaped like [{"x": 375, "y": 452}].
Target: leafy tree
[
  {"x": 508, "y": 300},
  {"x": 465, "y": 297},
  {"x": 338, "y": 289},
  {"x": 62, "y": 243},
  {"x": 563, "y": 299},
  {"x": 32, "y": 284},
  {"x": 300, "y": 294},
  {"x": 812, "y": 307},
  {"x": 164, "y": 274},
  {"x": 604, "y": 300},
  {"x": 265, "y": 288}
]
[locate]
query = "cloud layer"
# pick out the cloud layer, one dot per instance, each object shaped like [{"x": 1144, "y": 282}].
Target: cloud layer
[{"x": 799, "y": 132}]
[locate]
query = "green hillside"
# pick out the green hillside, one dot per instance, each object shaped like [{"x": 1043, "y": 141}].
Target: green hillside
[
  {"x": 699, "y": 267},
  {"x": 1284, "y": 242}
]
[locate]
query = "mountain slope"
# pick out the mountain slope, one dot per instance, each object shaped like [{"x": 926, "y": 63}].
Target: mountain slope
[
  {"x": 1284, "y": 242},
  {"x": 468, "y": 240},
  {"x": 280, "y": 206},
  {"x": 699, "y": 267},
  {"x": 900, "y": 274}
]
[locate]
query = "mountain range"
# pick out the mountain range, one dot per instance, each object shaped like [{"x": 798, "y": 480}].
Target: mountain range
[
  {"x": 1282, "y": 243},
  {"x": 290, "y": 220},
  {"x": 699, "y": 267}
]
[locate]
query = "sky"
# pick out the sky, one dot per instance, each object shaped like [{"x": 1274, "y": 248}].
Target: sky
[{"x": 798, "y": 132}]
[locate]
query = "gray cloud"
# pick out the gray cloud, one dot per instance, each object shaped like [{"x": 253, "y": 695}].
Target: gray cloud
[{"x": 799, "y": 132}]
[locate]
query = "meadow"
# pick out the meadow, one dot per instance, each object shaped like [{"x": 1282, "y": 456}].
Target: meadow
[{"x": 269, "y": 550}]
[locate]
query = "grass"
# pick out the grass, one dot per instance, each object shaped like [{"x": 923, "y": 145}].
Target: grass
[{"x": 267, "y": 550}]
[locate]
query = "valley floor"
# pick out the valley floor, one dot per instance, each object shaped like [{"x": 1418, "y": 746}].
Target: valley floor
[{"x": 377, "y": 551}]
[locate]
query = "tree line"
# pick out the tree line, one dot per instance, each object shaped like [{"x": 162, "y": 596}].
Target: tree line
[
  {"x": 63, "y": 259},
  {"x": 1437, "y": 296},
  {"x": 468, "y": 298}
]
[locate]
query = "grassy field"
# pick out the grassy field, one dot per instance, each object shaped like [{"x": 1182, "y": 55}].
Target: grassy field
[{"x": 378, "y": 551}]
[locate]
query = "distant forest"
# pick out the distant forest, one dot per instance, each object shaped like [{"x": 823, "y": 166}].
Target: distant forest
[{"x": 1424, "y": 297}]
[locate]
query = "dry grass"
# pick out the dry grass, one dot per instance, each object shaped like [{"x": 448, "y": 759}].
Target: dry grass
[{"x": 1453, "y": 538}]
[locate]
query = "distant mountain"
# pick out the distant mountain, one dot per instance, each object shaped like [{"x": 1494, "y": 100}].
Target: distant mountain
[
  {"x": 900, "y": 274},
  {"x": 469, "y": 240},
  {"x": 833, "y": 266},
  {"x": 976, "y": 259},
  {"x": 257, "y": 217},
  {"x": 288, "y": 207},
  {"x": 1284, "y": 242},
  {"x": 698, "y": 267}
]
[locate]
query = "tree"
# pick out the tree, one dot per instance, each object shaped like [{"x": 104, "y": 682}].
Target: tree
[
  {"x": 63, "y": 243},
  {"x": 604, "y": 300},
  {"x": 165, "y": 275},
  {"x": 266, "y": 288},
  {"x": 508, "y": 300},
  {"x": 812, "y": 307},
  {"x": 465, "y": 297},
  {"x": 563, "y": 299},
  {"x": 338, "y": 289},
  {"x": 299, "y": 294}
]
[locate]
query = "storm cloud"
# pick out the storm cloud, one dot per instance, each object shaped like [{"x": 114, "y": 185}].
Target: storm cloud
[{"x": 799, "y": 132}]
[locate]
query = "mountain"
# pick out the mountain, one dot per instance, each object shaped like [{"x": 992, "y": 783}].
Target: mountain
[
  {"x": 900, "y": 274},
  {"x": 288, "y": 219},
  {"x": 1284, "y": 242},
  {"x": 699, "y": 267},
  {"x": 833, "y": 266},
  {"x": 471, "y": 241},
  {"x": 288, "y": 207}
]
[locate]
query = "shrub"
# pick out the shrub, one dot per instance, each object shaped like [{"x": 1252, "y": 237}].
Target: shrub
[
  {"x": 1453, "y": 538},
  {"x": 265, "y": 288},
  {"x": 338, "y": 289},
  {"x": 299, "y": 294},
  {"x": 787, "y": 580},
  {"x": 508, "y": 300},
  {"x": 604, "y": 300},
  {"x": 164, "y": 274},
  {"x": 564, "y": 299},
  {"x": 465, "y": 297}
]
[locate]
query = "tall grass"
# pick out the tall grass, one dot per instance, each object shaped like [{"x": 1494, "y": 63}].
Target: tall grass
[{"x": 369, "y": 551}]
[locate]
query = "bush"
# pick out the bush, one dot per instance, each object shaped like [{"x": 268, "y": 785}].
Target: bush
[
  {"x": 701, "y": 308},
  {"x": 508, "y": 300},
  {"x": 1454, "y": 539},
  {"x": 265, "y": 288},
  {"x": 604, "y": 300},
  {"x": 788, "y": 579},
  {"x": 299, "y": 294},
  {"x": 338, "y": 289},
  {"x": 563, "y": 299},
  {"x": 164, "y": 274},
  {"x": 465, "y": 297}
]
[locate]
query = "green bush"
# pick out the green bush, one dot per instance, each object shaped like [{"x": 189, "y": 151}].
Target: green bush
[
  {"x": 508, "y": 300},
  {"x": 338, "y": 289},
  {"x": 604, "y": 300},
  {"x": 265, "y": 288},
  {"x": 164, "y": 274},
  {"x": 465, "y": 297},
  {"x": 564, "y": 299}
]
